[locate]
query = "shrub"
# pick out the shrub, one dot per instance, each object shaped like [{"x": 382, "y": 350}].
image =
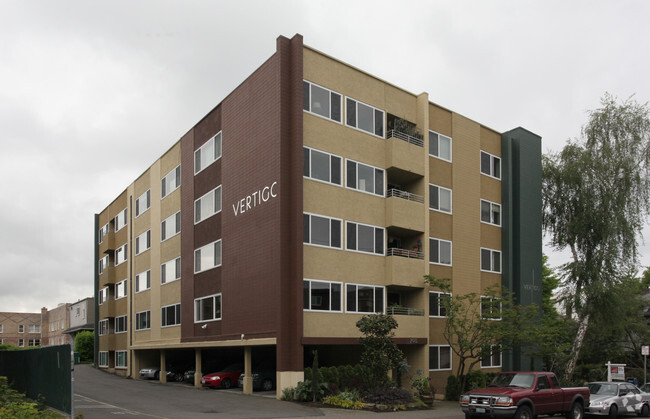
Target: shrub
[
  {"x": 452, "y": 390},
  {"x": 344, "y": 403},
  {"x": 17, "y": 405},
  {"x": 304, "y": 391},
  {"x": 475, "y": 379},
  {"x": 84, "y": 343},
  {"x": 422, "y": 385},
  {"x": 390, "y": 396},
  {"x": 289, "y": 394}
]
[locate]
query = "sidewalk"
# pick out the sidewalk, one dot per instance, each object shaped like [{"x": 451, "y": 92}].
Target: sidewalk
[{"x": 441, "y": 410}]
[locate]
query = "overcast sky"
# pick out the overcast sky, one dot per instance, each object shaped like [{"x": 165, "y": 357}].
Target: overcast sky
[{"x": 92, "y": 93}]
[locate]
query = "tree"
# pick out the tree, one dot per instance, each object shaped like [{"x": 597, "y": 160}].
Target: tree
[
  {"x": 380, "y": 353},
  {"x": 595, "y": 201},
  {"x": 84, "y": 343}
]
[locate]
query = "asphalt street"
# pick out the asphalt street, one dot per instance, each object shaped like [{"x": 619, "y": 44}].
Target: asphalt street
[{"x": 101, "y": 395}]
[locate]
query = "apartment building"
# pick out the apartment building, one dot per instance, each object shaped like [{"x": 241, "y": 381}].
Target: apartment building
[
  {"x": 310, "y": 196},
  {"x": 81, "y": 317},
  {"x": 54, "y": 324},
  {"x": 20, "y": 329}
]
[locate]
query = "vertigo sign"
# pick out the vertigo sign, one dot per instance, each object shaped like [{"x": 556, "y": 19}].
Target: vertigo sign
[{"x": 256, "y": 199}]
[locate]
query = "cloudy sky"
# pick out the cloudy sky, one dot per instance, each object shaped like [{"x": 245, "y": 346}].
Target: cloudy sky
[{"x": 92, "y": 93}]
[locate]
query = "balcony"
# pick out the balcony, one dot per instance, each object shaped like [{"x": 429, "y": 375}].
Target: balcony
[
  {"x": 405, "y": 210},
  {"x": 415, "y": 139},
  {"x": 397, "y": 193},
  {"x": 405, "y": 268},
  {"x": 411, "y": 254},
  {"x": 404, "y": 311}
]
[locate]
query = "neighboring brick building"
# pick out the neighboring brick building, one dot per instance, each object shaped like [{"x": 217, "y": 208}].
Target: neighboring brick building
[
  {"x": 314, "y": 194},
  {"x": 55, "y": 322},
  {"x": 20, "y": 329}
]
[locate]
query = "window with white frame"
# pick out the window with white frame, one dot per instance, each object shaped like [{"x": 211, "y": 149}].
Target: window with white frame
[
  {"x": 21, "y": 343},
  {"x": 208, "y": 153},
  {"x": 437, "y": 307},
  {"x": 120, "y": 289},
  {"x": 21, "y": 328},
  {"x": 364, "y": 117},
  {"x": 322, "y": 295},
  {"x": 490, "y": 260},
  {"x": 207, "y": 205},
  {"x": 170, "y": 182},
  {"x": 121, "y": 324},
  {"x": 439, "y": 251},
  {"x": 143, "y": 281},
  {"x": 171, "y": 315},
  {"x": 439, "y": 357},
  {"x": 440, "y": 198},
  {"x": 143, "y": 203},
  {"x": 120, "y": 359},
  {"x": 170, "y": 271},
  {"x": 120, "y": 220},
  {"x": 364, "y": 238},
  {"x": 33, "y": 342},
  {"x": 143, "y": 242},
  {"x": 321, "y": 231},
  {"x": 490, "y": 165},
  {"x": 361, "y": 298},
  {"x": 207, "y": 257},
  {"x": 170, "y": 226},
  {"x": 103, "y": 359},
  {"x": 103, "y": 327},
  {"x": 102, "y": 233},
  {"x": 491, "y": 357},
  {"x": 34, "y": 328},
  {"x": 491, "y": 308},
  {"x": 321, "y": 101},
  {"x": 207, "y": 308},
  {"x": 120, "y": 254},
  {"x": 490, "y": 212},
  {"x": 143, "y": 320},
  {"x": 365, "y": 178},
  {"x": 1, "y": 330},
  {"x": 103, "y": 296},
  {"x": 439, "y": 146},
  {"x": 2, "y": 341},
  {"x": 321, "y": 166},
  {"x": 102, "y": 264}
]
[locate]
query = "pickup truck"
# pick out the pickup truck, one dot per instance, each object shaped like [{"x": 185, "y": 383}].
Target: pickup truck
[{"x": 524, "y": 395}]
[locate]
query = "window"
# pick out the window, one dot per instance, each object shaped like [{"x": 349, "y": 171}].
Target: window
[
  {"x": 143, "y": 242},
  {"x": 102, "y": 264},
  {"x": 364, "y": 117},
  {"x": 490, "y": 260},
  {"x": 170, "y": 271},
  {"x": 207, "y": 257},
  {"x": 364, "y": 238},
  {"x": 102, "y": 233},
  {"x": 321, "y": 231},
  {"x": 490, "y": 165},
  {"x": 207, "y": 205},
  {"x": 170, "y": 182},
  {"x": 121, "y": 324},
  {"x": 103, "y": 327},
  {"x": 207, "y": 308},
  {"x": 0, "y": 328},
  {"x": 103, "y": 359},
  {"x": 120, "y": 289},
  {"x": 491, "y": 308},
  {"x": 143, "y": 203},
  {"x": 21, "y": 343},
  {"x": 439, "y": 146},
  {"x": 143, "y": 320},
  {"x": 365, "y": 178},
  {"x": 171, "y": 315},
  {"x": 120, "y": 220},
  {"x": 33, "y": 342},
  {"x": 321, "y": 101},
  {"x": 364, "y": 298},
  {"x": 436, "y": 304},
  {"x": 21, "y": 328},
  {"x": 490, "y": 212},
  {"x": 208, "y": 153},
  {"x": 170, "y": 226},
  {"x": 321, "y": 295},
  {"x": 439, "y": 251},
  {"x": 120, "y": 254},
  {"x": 439, "y": 198},
  {"x": 143, "y": 281},
  {"x": 321, "y": 166},
  {"x": 492, "y": 357},
  {"x": 34, "y": 328},
  {"x": 439, "y": 357},
  {"x": 120, "y": 359},
  {"x": 103, "y": 296}
]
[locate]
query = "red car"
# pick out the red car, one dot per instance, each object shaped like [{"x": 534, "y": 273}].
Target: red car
[{"x": 225, "y": 378}]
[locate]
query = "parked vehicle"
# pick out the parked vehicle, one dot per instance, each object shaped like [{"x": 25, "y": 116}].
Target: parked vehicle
[
  {"x": 263, "y": 378},
  {"x": 645, "y": 388},
  {"x": 150, "y": 372},
  {"x": 524, "y": 395},
  {"x": 225, "y": 378},
  {"x": 189, "y": 376},
  {"x": 175, "y": 373},
  {"x": 617, "y": 398}
]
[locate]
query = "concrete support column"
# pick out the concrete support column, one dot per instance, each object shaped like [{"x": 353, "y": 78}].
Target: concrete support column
[
  {"x": 286, "y": 379},
  {"x": 248, "y": 371},
  {"x": 163, "y": 371},
  {"x": 198, "y": 373}
]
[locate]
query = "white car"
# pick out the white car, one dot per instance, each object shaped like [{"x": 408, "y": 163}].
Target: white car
[{"x": 617, "y": 398}]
